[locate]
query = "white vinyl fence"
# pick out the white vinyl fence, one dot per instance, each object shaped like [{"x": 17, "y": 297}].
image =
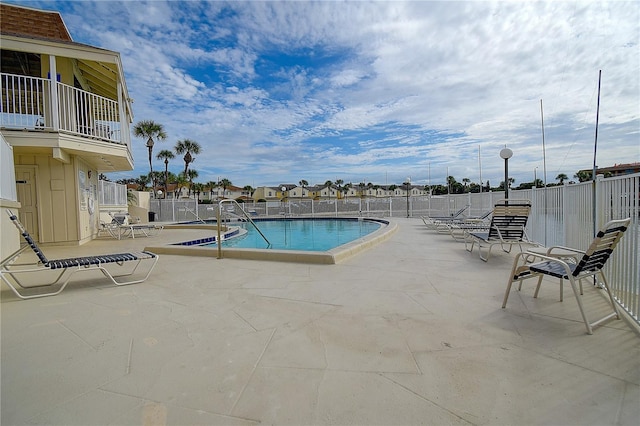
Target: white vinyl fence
[{"x": 560, "y": 215}]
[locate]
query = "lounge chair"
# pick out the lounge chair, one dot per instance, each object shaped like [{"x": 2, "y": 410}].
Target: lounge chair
[
  {"x": 507, "y": 228},
  {"x": 557, "y": 263},
  {"x": 460, "y": 228},
  {"x": 64, "y": 269},
  {"x": 122, "y": 225},
  {"x": 432, "y": 222}
]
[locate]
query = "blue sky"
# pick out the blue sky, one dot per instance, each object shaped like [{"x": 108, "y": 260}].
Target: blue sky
[{"x": 276, "y": 92}]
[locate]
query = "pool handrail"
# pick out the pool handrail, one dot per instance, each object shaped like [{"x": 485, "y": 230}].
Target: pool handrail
[{"x": 243, "y": 214}]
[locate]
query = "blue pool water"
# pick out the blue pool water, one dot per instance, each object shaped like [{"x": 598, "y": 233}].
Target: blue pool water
[{"x": 303, "y": 234}]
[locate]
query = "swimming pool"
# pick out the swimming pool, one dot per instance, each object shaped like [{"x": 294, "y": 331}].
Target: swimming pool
[
  {"x": 302, "y": 234},
  {"x": 382, "y": 230}
]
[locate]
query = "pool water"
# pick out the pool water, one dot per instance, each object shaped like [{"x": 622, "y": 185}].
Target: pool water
[{"x": 303, "y": 234}]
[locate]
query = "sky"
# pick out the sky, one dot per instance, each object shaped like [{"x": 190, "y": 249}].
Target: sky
[{"x": 278, "y": 92}]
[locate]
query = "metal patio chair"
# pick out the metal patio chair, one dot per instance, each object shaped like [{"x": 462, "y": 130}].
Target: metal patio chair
[
  {"x": 507, "y": 228},
  {"x": 558, "y": 263}
]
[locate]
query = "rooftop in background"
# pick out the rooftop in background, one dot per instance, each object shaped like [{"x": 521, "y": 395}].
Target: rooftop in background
[
  {"x": 25, "y": 21},
  {"x": 616, "y": 169}
]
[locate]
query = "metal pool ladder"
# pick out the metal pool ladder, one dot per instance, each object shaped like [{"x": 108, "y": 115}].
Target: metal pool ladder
[{"x": 243, "y": 214}]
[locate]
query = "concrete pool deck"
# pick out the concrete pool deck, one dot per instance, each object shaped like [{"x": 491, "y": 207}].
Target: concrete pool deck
[{"x": 410, "y": 331}]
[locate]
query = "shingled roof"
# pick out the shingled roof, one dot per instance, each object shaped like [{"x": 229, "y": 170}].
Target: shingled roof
[{"x": 28, "y": 22}]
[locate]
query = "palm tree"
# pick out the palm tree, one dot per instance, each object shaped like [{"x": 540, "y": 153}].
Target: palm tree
[
  {"x": 211, "y": 185},
  {"x": 191, "y": 175},
  {"x": 188, "y": 148},
  {"x": 156, "y": 178},
  {"x": 132, "y": 199},
  {"x": 197, "y": 189},
  {"x": 562, "y": 177},
  {"x": 149, "y": 129},
  {"x": 165, "y": 155},
  {"x": 250, "y": 189},
  {"x": 303, "y": 183},
  {"x": 346, "y": 188},
  {"x": 583, "y": 175},
  {"x": 339, "y": 188},
  {"x": 180, "y": 182},
  {"x": 224, "y": 183},
  {"x": 142, "y": 182},
  {"x": 361, "y": 187},
  {"x": 466, "y": 183}
]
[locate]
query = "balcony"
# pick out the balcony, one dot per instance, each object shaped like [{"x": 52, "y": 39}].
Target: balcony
[{"x": 34, "y": 104}]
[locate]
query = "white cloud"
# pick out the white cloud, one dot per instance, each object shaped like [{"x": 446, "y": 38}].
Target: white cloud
[{"x": 474, "y": 70}]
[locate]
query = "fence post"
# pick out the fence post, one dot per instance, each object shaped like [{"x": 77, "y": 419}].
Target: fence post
[{"x": 563, "y": 215}]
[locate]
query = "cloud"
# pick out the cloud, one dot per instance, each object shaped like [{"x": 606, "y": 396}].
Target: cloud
[{"x": 283, "y": 91}]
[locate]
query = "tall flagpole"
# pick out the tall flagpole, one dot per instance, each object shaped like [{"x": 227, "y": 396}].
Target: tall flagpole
[
  {"x": 544, "y": 171},
  {"x": 595, "y": 150},
  {"x": 480, "y": 167}
]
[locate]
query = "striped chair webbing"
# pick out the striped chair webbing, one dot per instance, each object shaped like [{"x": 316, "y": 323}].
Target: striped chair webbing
[
  {"x": 99, "y": 259},
  {"x": 594, "y": 258},
  {"x": 27, "y": 237},
  {"x": 600, "y": 249},
  {"x": 509, "y": 221}
]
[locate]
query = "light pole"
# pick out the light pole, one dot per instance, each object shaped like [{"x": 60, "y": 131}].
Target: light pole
[
  {"x": 407, "y": 185},
  {"x": 505, "y": 154},
  {"x": 284, "y": 207},
  {"x": 159, "y": 193}
]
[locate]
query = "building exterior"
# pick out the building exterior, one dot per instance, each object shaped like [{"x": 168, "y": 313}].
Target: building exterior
[
  {"x": 615, "y": 170},
  {"x": 65, "y": 116}
]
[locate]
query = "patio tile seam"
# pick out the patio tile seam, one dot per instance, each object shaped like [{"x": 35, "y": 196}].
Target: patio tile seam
[
  {"x": 422, "y": 397},
  {"x": 253, "y": 370}
]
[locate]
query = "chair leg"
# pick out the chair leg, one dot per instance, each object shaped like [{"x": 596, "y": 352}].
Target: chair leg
[
  {"x": 580, "y": 306},
  {"x": 471, "y": 241},
  {"x": 515, "y": 266},
  {"x": 484, "y": 258},
  {"x": 606, "y": 288},
  {"x": 535, "y": 294}
]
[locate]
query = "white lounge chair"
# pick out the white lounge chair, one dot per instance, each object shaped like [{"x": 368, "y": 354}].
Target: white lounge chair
[{"x": 15, "y": 275}]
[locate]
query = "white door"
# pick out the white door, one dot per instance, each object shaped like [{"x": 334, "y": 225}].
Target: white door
[{"x": 26, "y": 191}]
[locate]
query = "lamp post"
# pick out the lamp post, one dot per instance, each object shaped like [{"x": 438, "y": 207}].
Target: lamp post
[
  {"x": 505, "y": 154},
  {"x": 407, "y": 185},
  {"x": 159, "y": 196}
]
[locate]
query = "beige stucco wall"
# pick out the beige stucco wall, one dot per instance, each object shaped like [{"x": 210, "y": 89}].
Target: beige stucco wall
[{"x": 66, "y": 198}]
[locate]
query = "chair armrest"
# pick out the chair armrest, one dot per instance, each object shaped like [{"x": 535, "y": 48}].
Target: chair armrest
[{"x": 551, "y": 249}]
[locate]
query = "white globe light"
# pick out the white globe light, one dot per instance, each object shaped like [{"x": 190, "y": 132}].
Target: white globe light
[{"x": 506, "y": 153}]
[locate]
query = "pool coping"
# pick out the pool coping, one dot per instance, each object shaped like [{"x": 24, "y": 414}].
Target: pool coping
[{"x": 329, "y": 257}]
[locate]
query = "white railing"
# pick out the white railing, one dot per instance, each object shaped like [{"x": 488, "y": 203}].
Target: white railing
[
  {"x": 27, "y": 104},
  {"x": 112, "y": 194},
  {"x": 24, "y": 101}
]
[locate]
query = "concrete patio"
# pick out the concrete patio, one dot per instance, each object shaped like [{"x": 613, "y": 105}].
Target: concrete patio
[{"x": 408, "y": 332}]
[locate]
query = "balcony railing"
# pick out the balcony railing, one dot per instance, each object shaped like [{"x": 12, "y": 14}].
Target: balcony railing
[{"x": 30, "y": 103}]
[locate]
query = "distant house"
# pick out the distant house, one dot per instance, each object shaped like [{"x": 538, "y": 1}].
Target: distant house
[
  {"x": 65, "y": 113},
  {"x": 267, "y": 193},
  {"x": 615, "y": 170}
]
